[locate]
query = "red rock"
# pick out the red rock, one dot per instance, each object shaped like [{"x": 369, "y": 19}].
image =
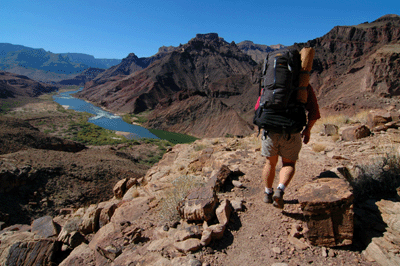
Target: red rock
[
  {"x": 327, "y": 205},
  {"x": 40, "y": 252},
  {"x": 223, "y": 212},
  {"x": 189, "y": 245},
  {"x": 355, "y": 133},
  {"x": 199, "y": 205},
  {"x": 120, "y": 188}
]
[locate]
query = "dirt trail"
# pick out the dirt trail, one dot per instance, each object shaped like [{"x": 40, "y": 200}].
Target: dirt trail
[{"x": 261, "y": 238}]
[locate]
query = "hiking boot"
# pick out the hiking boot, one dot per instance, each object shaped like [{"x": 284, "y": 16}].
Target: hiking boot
[
  {"x": 267, "y": 197},
  {"x": 278, "y": 198}
]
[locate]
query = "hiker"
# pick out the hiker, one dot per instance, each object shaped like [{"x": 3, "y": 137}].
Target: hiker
[
  {"x": 278, "y": 144},
  {"x": 286, "y": 110}
]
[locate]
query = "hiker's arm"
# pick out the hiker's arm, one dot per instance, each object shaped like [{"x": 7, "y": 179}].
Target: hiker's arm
[{"x": 307, "y": 131}]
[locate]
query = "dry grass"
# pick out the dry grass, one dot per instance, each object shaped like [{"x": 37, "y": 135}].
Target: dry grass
[
  {"x": 179, "y": 190},
  {"x": 341, "y": 120}
]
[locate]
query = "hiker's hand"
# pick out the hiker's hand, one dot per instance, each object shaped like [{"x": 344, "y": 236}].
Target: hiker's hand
[{"x": 306, "y": 135}]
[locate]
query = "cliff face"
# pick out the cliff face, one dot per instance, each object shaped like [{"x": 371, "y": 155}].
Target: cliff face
[
  {"x": 204, "y": 72},
  {"x": 356, "y": 66}
]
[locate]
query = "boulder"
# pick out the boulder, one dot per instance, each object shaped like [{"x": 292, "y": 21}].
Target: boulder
[
  {"x": 218, "y": 178},
  {"x": 189, "y": 245},
  {"x": 120, "y": 188},
  {"x": 381, "y": 117},
  {"x": 44, "y": 227},
  {"x": 330, "y": 130},
  {"x": 37, "y": 252},
  {"x": 327, "y": 205},
  {"x": 187, "y": 232},
  {"x": 223, "y": 212},
  {"x": 355, "y": 132},
  {"x": 90, "y": 221},
  {"x": 199, "y": 205},
  {"x": 106, "y": 213},
  {"x": 215, "y": 231},
  {"x": 9, "y": 238}
]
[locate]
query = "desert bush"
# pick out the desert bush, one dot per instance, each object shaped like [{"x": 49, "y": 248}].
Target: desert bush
[
  {"x": 378, "y": 178},
  {"x": 172, "y": 196}
]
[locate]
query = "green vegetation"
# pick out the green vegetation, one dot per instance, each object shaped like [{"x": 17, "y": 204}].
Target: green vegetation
[
  {"x": 173, "y": 137},
  {"x": 7, "y": 106}
]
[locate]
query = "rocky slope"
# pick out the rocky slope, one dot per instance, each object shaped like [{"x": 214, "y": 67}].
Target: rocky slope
[
  {"x": 135, "y": 226},
  {"x": 41, "y": 174},
  {"x": 205, "y": 72},
  {"x": 357, "y": 67}
]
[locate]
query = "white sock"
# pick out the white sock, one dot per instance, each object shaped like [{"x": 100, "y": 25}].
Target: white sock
[
  {"x": 281, "y": 186},
  {"x": 269, "y": 190}
]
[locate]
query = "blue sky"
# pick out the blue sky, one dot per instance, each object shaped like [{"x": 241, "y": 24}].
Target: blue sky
[{"x": 113, "y": 29}]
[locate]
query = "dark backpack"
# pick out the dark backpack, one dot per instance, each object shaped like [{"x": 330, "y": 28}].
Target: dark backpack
[{"x": 277, "y": 108}]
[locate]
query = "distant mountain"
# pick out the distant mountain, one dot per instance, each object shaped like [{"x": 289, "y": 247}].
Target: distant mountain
[
  {"x": 91, "y": 61},
  {"x": 46, "y": 66},
  {"x": 82, "y": 78},
  {"x": 130, "y": 65},
  {"x": 189, "y": 88},
  {"x": 257, "y": 51},
  {"x": 8, "y": 47}
]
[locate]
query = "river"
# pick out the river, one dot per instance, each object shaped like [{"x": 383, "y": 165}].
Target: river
[{"x": 102, "y": 118}]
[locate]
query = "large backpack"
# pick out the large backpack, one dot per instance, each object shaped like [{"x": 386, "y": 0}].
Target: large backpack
[{"x": 277, "y": 108}]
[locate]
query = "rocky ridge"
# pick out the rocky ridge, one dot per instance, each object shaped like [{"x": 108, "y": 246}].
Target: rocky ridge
[{"x": 356, "y": 67}]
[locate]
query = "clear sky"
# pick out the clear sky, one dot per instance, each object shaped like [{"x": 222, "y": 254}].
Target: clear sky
[{"x": 115, "y": 28}]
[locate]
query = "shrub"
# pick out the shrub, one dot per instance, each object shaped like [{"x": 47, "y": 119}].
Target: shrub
[
  {"x": 379, "y": 178},
  {"x": 179, "y": 190}
]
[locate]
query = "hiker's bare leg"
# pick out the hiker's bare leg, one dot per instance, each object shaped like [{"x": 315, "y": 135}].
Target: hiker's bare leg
[
  {"x": 287, "y": 171},
  {"x": 269, "y": 171}
]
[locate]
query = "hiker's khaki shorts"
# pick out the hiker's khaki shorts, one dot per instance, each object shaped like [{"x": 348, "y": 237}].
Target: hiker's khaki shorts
[{"x": 278, "y": 144}]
